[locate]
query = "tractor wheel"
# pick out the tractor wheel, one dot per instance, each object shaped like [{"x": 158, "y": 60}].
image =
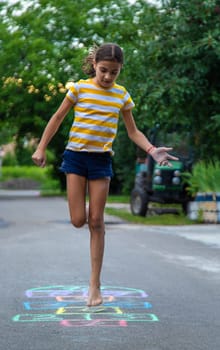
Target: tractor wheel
[
  {"x": 139, "y": 202},
  {"x": 185, "y": 207}
]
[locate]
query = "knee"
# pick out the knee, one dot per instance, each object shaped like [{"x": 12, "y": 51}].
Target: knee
[
  {"x": 96, "y": 224},
  {"x": 78, "y": 222}
]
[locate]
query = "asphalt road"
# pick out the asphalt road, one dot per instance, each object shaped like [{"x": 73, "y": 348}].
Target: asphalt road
[{"x": 161, "y": 285}]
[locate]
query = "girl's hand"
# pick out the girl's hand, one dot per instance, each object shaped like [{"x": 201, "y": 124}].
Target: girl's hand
[
  {"x": 39, "y": 158},
  {"x": 161, "y": 156}
]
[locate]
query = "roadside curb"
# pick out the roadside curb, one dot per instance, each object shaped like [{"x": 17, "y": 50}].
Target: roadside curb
[{"x": 19, "y": 194}]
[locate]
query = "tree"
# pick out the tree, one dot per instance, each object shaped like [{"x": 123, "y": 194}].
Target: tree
[
  {"x": 43, "y": 43},
  {"x": 182, "y": 61}
]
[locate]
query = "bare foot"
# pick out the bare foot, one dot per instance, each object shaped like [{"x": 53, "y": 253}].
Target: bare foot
[{"x": 94, "y": 296}]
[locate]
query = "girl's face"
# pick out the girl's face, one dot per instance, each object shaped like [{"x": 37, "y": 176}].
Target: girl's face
[{"x": 106, "y": 73}]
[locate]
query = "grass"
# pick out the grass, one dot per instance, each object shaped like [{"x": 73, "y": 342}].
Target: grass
[
  {"x": 161, "y": 219},
  {"x": 118, "y": 199},
  {"x": 156, "y": 219}
]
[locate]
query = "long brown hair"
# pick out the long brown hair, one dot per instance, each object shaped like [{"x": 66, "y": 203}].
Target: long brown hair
[{"x": 105, "y": 52}]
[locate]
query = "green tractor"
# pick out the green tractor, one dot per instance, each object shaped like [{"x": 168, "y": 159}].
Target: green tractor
[{"x": 162, "y": 184}]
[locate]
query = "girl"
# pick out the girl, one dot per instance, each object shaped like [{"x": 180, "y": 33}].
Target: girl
[{"x": 87, "y": 160}]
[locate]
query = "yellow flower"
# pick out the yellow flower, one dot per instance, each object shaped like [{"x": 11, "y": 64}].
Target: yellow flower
[
  {"x": 47, "y": 98},
  {"x": 51, "y": 87},
  {"x": 31, "y": 89},
  {"x": 62, "y": 90},
  {"x": 69, "y": 84}
]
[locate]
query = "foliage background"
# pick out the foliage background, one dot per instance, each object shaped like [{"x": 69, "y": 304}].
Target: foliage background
[{"x": 171, "y": 69}]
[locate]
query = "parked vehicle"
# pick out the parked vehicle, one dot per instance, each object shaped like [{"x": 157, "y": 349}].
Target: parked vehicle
[{"x": 162, "y": 184}]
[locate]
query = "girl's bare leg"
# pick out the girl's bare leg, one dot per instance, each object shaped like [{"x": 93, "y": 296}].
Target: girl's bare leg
[
  {"x": 76, "y": 194},
  {"x": 98, "y": 192}
]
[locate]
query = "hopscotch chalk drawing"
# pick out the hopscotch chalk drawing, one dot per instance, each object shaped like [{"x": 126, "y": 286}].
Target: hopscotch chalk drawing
[{"x": 122, "y": 307}]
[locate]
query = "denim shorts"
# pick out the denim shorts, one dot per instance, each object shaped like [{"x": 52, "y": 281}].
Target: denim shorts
[{"x": 92, "y": 165}]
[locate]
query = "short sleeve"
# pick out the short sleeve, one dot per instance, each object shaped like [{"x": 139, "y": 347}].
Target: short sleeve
[
  {"x": 72, "y": 93},
  {"x": 128, "y": 102}
]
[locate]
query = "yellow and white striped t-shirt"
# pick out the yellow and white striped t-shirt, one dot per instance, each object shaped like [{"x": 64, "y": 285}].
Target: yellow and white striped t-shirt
[{"x": 96, "y": 115}]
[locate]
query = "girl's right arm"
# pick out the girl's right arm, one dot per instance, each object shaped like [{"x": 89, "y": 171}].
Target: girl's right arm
[{"x": 39, "y": 156}]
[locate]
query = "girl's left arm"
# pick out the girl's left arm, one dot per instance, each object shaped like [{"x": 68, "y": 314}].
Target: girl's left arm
[
  {"x": 134, "y": 134},
  {"x": 159, "y": 154}
]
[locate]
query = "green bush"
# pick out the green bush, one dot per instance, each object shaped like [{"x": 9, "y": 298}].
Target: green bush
[
  {"x": 205, "y": 177},
  {"x": 50, "y": 186},
  {"x": 43, "y": 176},
  {"x": 28, "y": 172},
  {"x": 9, "y": 160},
  {"x": 23, "y": 154}
]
